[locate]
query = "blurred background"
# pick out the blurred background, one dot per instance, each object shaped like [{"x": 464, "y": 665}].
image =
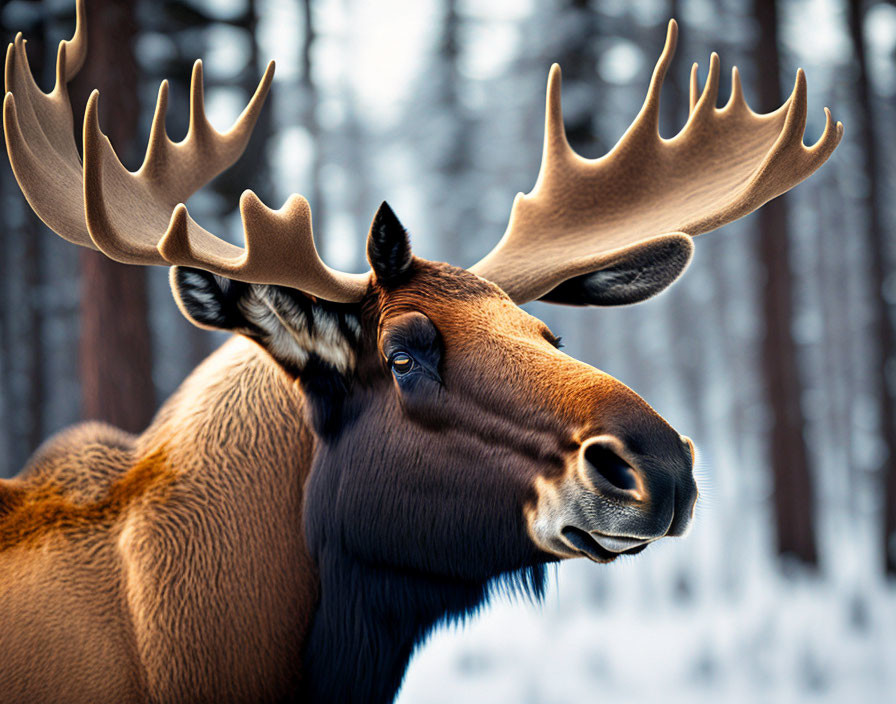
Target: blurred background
[{"x": 775, "y": 352}]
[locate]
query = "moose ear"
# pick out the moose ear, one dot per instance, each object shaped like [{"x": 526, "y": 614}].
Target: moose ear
[
  {"x": 208, "y": 300},
  {"x": 634, "y": 275},
  {"x": 388, "y": 247}
]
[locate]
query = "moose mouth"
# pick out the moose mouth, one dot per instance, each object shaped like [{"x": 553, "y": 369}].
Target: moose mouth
[{"x": 602, "y": 548}]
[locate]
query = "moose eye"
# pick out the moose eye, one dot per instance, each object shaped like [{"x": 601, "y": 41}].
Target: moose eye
[{"x": 401, "y": 363}]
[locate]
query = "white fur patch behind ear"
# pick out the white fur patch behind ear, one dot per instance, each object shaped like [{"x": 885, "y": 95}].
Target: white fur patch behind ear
[
  {"x": 292, "y": 334},
  {"x": 331, "y": 344}
]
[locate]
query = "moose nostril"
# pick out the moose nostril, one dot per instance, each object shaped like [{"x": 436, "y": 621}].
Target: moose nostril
[{"x": 605, "y": 463}]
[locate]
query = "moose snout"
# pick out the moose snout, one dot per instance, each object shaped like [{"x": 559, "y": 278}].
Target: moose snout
[
  {"x": 620, "y": 492},
  {"x": 652, "y": 491},
  {"x": 617, "y": 499}
]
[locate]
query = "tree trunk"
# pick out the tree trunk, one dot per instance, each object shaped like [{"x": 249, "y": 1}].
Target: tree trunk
[
  {"x": 115, "y": 349},
  {"x": 7, "y": 440},
  {"x": 34, "y": 284},
  {"x": 793, "y": 499},
  {"x": 885, "y": 345},
  {"x": 251, "y": 168},
  {"x": 578, "y": 59},
  {"x": 23, "y": 326}
]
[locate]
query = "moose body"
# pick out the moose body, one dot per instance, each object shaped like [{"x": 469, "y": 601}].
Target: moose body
[
  {"x": 170, "y": 566},
  {"x": 371, "y": 453}
]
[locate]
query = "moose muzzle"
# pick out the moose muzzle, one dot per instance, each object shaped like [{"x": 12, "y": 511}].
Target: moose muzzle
[{"x": 615, "y": 499}]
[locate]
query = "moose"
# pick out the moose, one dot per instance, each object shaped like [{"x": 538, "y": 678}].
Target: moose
[{"x": 370, "y": 454}]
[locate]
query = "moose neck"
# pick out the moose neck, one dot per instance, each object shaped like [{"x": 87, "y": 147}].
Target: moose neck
[{"x": 368, "y": 622}]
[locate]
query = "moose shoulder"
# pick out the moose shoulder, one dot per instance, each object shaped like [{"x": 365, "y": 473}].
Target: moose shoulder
[{"x": 369, "y": 454}]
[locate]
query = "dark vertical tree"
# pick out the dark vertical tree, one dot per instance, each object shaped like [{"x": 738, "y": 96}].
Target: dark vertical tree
[
  {"x": 793, "y": 498},
  {"x": 577, "y": 57},
  {"x": 34, "y": 284},
  {"x": 362, "y": 200},
  {"x": 115, "y": 350},
  {"x": 251, "y": 168},
  {"x": 883, "y": 312},
  {"x": 448, "y": 151},
  {"x": 454, "y": 163},
  {"x": 23, "y": 322},
  {"x": 6, "y": 349}
]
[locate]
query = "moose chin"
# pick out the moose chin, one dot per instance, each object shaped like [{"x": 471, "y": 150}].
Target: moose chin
[{"x": 369, "y": 454}]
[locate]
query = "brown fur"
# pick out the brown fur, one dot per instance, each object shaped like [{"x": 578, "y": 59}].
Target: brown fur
[
  {"x": 133, "y": 573},
  {"x": 33, "y": 510}
]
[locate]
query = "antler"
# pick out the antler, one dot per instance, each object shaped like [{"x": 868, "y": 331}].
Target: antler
[
  {"x": 139, "y": 217},
  {"x": 583, "y": 214}
]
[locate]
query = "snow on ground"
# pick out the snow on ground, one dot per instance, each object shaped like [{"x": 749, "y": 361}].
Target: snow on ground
[{"x": 663, "y": 627}]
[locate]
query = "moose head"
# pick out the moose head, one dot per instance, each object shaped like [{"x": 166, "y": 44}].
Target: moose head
[{"x": 453, "y": 441}]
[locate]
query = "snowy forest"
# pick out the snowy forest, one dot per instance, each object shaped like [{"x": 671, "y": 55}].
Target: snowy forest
[{"x": 776, "y": 352}]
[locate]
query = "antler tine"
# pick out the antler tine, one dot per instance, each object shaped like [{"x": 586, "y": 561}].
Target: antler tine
[
  {"x": 75, "y": 48},
  {"x": 39, "y": 135},
  {"x": 171, "y": 172},
  {"x": 40, "y": 141},
  {"x": 139, "y": 217},
  {"x": 127, "y": 231},
  {"x": 710, "y": 96},
  {"x": 583, "y": 213},
  {"x": 157, "y": 145},
  {"x": 556, "y": 145},
  {"x": 829, "y": 136},
  {"x": 648, "y": 118},
  {"x": 797, "y": 109},
  {"x": 736, "y": 100},
  {"x": 694, "y": 92},
  {"x": 163, "y": 156},
  {"x": 279, "y": 243},
  {"x": 279, "y": 246}
]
